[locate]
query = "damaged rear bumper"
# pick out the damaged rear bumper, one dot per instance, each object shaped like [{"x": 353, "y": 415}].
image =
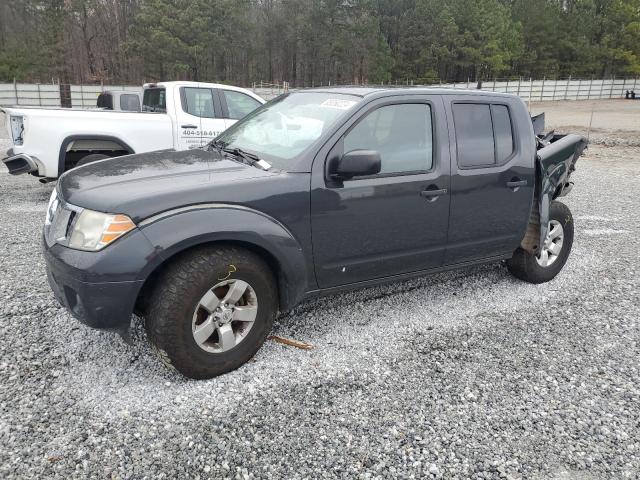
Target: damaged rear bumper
[{"x": 21, "y": 163}]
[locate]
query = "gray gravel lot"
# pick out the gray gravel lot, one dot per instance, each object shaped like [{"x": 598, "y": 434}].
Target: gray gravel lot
[{"x": 468, "y": 374}]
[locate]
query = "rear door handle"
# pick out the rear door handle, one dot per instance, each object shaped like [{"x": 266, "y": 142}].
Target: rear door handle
[
  {"x": 517, "y": 183},
  {"x": 189, "y": 126},
  {"x": 432, "y": 195}
]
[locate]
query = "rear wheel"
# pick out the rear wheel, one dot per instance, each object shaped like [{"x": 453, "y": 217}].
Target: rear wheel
[
  {"x": 212, "y": 310},
  {"x": 553, "y": 253}
]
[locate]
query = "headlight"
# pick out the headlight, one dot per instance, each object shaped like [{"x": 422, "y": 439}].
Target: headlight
[
  {"x": 52, "y": 207},
  {"x": 17, "y": 129},
  {"x": 95, "y": 230}
]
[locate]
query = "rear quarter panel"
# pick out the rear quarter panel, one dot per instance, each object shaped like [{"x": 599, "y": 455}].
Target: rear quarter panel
[
  {"x": 47, "y": 129},
  {"x": 556, "y": 162}
]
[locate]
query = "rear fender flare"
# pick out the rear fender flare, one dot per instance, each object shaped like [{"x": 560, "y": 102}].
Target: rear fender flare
[
  {"x": 177, "y": 230},
  {"x": 73, "y": 138}
]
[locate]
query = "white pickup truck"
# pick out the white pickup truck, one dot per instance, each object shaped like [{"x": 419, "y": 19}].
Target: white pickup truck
[{"x": 175, "y": 115}]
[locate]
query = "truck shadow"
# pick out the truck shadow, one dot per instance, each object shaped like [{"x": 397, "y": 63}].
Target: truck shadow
[
  {"x": 434, "y": 289},
  {"x": 316, "y": 318}
]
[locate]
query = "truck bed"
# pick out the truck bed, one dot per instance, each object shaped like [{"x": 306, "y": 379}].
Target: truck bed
[{"x": 556, "y": 157}]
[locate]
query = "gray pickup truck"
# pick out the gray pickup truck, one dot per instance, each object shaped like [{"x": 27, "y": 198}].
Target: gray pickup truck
[{"x": 316, "y": 192}]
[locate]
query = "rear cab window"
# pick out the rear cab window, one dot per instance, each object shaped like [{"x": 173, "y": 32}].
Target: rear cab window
[
  {"x": 484, "y": 134},
  {"x": 154, "y": 100}
]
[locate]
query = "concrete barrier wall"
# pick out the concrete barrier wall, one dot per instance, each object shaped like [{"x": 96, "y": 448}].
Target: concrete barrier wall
[
  {"x": 549, "y": 90},
  {"x": 41, "y": 95},
  {"x": 85, "y": 96},
  {"x": 527, "y": 89},
  {"x": 29, "y": 94}
]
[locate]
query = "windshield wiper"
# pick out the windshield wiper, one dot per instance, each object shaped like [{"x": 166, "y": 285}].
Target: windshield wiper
[
  {"x": 248, "y": 158},
  {"x": 217, "y": 144},
  {"x": 238, "y": 153}
]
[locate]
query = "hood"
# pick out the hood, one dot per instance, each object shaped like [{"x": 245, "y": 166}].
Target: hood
[{"x": 145, "y": 184}]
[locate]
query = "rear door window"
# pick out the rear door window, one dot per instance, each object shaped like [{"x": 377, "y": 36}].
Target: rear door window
[
  {"x": 502, "y": 132},
  {"x": 154, "y": 100},
  {"x": 474, "y": 134},
  {"x": 198, "y": 102},
  {"x": 239, "y": 104},
  {"x": 484, "y": 134}
]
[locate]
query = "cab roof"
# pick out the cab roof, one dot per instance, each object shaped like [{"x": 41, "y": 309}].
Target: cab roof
[
  {"x": 383, "y": 91},
  {"x": 219, "y": 86}
]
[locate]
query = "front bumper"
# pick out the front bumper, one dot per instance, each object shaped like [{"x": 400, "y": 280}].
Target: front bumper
[
  {"x": 98, "y": 305},
  {"x": 99, "y": 288}
]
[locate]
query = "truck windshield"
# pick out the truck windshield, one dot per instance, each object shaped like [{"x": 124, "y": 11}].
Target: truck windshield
[
  {"x": 154, "y": 100},
  {"x": 283, "y": 128}
]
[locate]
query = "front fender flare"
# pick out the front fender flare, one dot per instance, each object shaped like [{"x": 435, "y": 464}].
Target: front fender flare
[{"x": 177, "y": 230}]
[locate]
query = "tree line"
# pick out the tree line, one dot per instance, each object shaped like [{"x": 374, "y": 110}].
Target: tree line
[{"x": 316, "y": 42}]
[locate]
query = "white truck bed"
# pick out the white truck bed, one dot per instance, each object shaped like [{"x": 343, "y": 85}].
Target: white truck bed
[{"x": 46, "y": 142}]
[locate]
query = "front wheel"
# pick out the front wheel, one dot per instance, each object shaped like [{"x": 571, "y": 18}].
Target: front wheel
[
  {"x": 553, "y": 253},
  {"x": 212, "y": 310}
]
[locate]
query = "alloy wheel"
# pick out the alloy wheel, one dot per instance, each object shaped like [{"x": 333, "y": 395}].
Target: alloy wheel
[
  {"x": 224, "y": 316},
  {"x": 552, "y": 246}
]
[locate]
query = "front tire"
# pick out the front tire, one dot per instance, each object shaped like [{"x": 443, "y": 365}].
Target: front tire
[
  {"x": 544, "y": 266},
  {"x": 212, "y": 310}
]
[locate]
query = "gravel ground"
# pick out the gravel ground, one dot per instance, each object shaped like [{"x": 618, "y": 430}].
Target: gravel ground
[{"x": 468, "y": 374}]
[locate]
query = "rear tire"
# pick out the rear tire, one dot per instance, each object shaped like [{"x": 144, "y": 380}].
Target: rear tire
[
  {"x": 94, "y": 157},
  {"x": 553, "y": 254},
  {"x": 194, "y": 321}
]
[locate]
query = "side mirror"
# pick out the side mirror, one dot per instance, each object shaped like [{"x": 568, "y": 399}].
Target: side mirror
[{"x": 358, "y": 163}]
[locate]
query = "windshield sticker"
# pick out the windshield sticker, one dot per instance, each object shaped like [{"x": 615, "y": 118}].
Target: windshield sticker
[{"x": 338, "y": 103}]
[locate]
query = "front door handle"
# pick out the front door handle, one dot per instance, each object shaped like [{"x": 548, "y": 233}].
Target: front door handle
[
  {"x": 432, "y": 195},
  {"x": 516, "y": 183},
  {"x": 189, "y": 126}
]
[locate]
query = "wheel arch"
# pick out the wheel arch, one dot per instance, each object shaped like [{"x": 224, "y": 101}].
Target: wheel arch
[
  {"x": 100, "y": 141},
  {"x": 174, "y": 236},
  {"x": 272, "y": 262}
]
